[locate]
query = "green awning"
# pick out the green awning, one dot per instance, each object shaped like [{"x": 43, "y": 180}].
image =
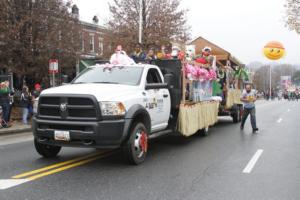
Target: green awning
[{"x": 85, "y": 63}]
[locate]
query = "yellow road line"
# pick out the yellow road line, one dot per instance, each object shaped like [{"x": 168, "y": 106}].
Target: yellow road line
[
  {"x": 68, "y": 166},
  {"x": 23, "y": 175}
]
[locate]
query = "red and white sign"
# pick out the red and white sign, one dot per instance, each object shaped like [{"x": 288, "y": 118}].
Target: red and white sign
[{"x": 53, "y": 66}]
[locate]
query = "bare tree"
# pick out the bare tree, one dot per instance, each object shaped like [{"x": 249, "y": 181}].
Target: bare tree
[
  {"x": 293, "y": 15},
  {"x": 262, "y": 75},
  {"x": 163, "y": 21},
  {"x": 34, "y": 31}
]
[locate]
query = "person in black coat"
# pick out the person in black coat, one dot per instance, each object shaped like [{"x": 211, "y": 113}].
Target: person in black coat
[{"x": 25, "y": 103}]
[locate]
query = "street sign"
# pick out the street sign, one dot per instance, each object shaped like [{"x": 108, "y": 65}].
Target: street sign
[{"x": 53, "y": 66}]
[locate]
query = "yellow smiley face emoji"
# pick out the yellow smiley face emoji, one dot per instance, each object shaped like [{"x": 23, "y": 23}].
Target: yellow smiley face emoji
[{"x": 274, "y": 50}]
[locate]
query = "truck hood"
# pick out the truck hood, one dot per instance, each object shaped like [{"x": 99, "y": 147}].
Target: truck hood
[{"x": 103, "y": 92}]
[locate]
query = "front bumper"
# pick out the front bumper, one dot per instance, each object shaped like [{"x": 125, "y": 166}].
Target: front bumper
[{"x": 97, "y": 134}]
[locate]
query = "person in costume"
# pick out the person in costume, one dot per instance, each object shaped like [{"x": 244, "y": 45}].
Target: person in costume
[
  {"x": 120, "y": 57},
  {"x": 190, "y": 53},
  {"x": 205, "y": 59}
]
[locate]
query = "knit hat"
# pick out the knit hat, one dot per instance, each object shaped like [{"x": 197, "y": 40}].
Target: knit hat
[{"x": 37, "y": 86}]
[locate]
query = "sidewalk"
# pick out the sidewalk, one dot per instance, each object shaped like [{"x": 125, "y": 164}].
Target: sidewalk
[{"x": 17, "y": 127}]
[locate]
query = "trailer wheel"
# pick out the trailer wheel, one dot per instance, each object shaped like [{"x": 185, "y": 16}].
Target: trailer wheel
[
  {"x": 237, "y": 115},
  {"x": 47, "y": 151},
  {"x": 204, "y": 131},
  {"x": 135, "y": 149}
]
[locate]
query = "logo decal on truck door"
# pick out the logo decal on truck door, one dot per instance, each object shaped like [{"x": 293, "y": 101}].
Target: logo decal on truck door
[{"x": 152, "y": 104}]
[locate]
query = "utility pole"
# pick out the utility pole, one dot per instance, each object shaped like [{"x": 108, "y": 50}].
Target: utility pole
[{"x": 141, "y": 22}]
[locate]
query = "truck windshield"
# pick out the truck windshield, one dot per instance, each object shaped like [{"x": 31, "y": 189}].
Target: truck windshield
[{"x": 110, "y": 75}]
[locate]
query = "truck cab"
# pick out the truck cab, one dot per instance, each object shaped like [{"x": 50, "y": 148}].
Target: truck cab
[{"x": 106, "y": 106}]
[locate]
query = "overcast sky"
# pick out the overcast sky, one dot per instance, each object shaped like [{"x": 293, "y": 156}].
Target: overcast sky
[{"x": 240, "y": 27}]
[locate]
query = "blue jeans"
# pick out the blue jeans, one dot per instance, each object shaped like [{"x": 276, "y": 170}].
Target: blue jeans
[
  {"x": 250, "y": 111},
  {"x": 25, "y": 115},
  {"x": 5, "y": 111}
]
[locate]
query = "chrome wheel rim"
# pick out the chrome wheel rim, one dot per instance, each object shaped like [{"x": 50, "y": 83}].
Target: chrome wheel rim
[{"x": 140, "y": 143}]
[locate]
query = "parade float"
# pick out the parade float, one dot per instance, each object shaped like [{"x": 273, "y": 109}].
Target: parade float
[
  {"x": 199, "y": 108},
  {"x": 231, "y": 76}
]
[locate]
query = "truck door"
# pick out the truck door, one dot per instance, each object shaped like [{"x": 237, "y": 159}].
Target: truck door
[{"x": 158, "y": 104}]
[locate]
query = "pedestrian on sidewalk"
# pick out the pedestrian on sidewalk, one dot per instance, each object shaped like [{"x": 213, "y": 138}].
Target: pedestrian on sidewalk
[
  {"x": 248, "y": 98},
  {"x": 25, "y": 104},
  {"x": 11, "y": 102},
  {"x": 5, "y": 103},
  {"x": 37, "y": 91}
]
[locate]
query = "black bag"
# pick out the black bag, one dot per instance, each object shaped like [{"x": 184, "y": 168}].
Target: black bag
[{"x": 24, "y": 102}]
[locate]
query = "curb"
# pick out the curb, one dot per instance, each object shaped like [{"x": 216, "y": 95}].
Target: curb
[{"x": 15, "y": 131}]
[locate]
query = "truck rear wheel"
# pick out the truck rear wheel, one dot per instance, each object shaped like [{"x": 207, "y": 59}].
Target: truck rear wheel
[
  {"x": 47, "y": 151},
  {"x": 135, "y": 149}
]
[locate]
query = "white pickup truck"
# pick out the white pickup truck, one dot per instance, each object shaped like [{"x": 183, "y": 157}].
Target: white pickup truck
[{"x": 110, "y": 106}]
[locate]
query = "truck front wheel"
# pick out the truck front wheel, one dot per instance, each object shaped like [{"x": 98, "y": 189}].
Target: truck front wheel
[
  {"x": 135, "y": 149},
  {"x": 47, "y": 151}
]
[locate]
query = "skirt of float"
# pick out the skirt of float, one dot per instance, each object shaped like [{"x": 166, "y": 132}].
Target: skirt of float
[{"x": 195, "y": 116}]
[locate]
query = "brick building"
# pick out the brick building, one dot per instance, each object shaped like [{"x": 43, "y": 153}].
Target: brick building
[
  {"x": 92, "y": 40},
  {"x": 94, "y": 45}
]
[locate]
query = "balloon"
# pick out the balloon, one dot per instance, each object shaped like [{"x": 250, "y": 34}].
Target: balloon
[{"x": 274, "y": 50}]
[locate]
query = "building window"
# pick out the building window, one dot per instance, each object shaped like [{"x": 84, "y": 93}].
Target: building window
[
  {"x": 92, "y": 43},
  {"x": 82, "y": 41},
  {"x": 100, "y": 46}
]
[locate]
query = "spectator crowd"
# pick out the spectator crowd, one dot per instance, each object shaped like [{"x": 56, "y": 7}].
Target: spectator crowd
[{"x": 8, "y": 99}]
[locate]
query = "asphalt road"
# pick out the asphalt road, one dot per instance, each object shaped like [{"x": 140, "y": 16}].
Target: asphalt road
[{"x": 227, "y": 164}]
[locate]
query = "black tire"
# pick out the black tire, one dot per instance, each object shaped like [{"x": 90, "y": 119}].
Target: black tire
[
  {"x": 47, "y": 151},
  {"x": 236, "y": 116},
  {"x": 204, "y": 132},
  {"x": 135, "y": 149}
]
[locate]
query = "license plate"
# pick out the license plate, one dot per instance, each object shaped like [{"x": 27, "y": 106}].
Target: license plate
[{"x": 62, "y": 135}]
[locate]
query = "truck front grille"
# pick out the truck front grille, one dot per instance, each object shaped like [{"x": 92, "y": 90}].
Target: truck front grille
[{"x": 68, "y": 108}]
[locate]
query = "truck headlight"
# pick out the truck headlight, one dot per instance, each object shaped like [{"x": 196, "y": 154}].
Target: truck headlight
[
  {"x": 112, "y": 108},
  {"x": 35, "y": 106}
]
